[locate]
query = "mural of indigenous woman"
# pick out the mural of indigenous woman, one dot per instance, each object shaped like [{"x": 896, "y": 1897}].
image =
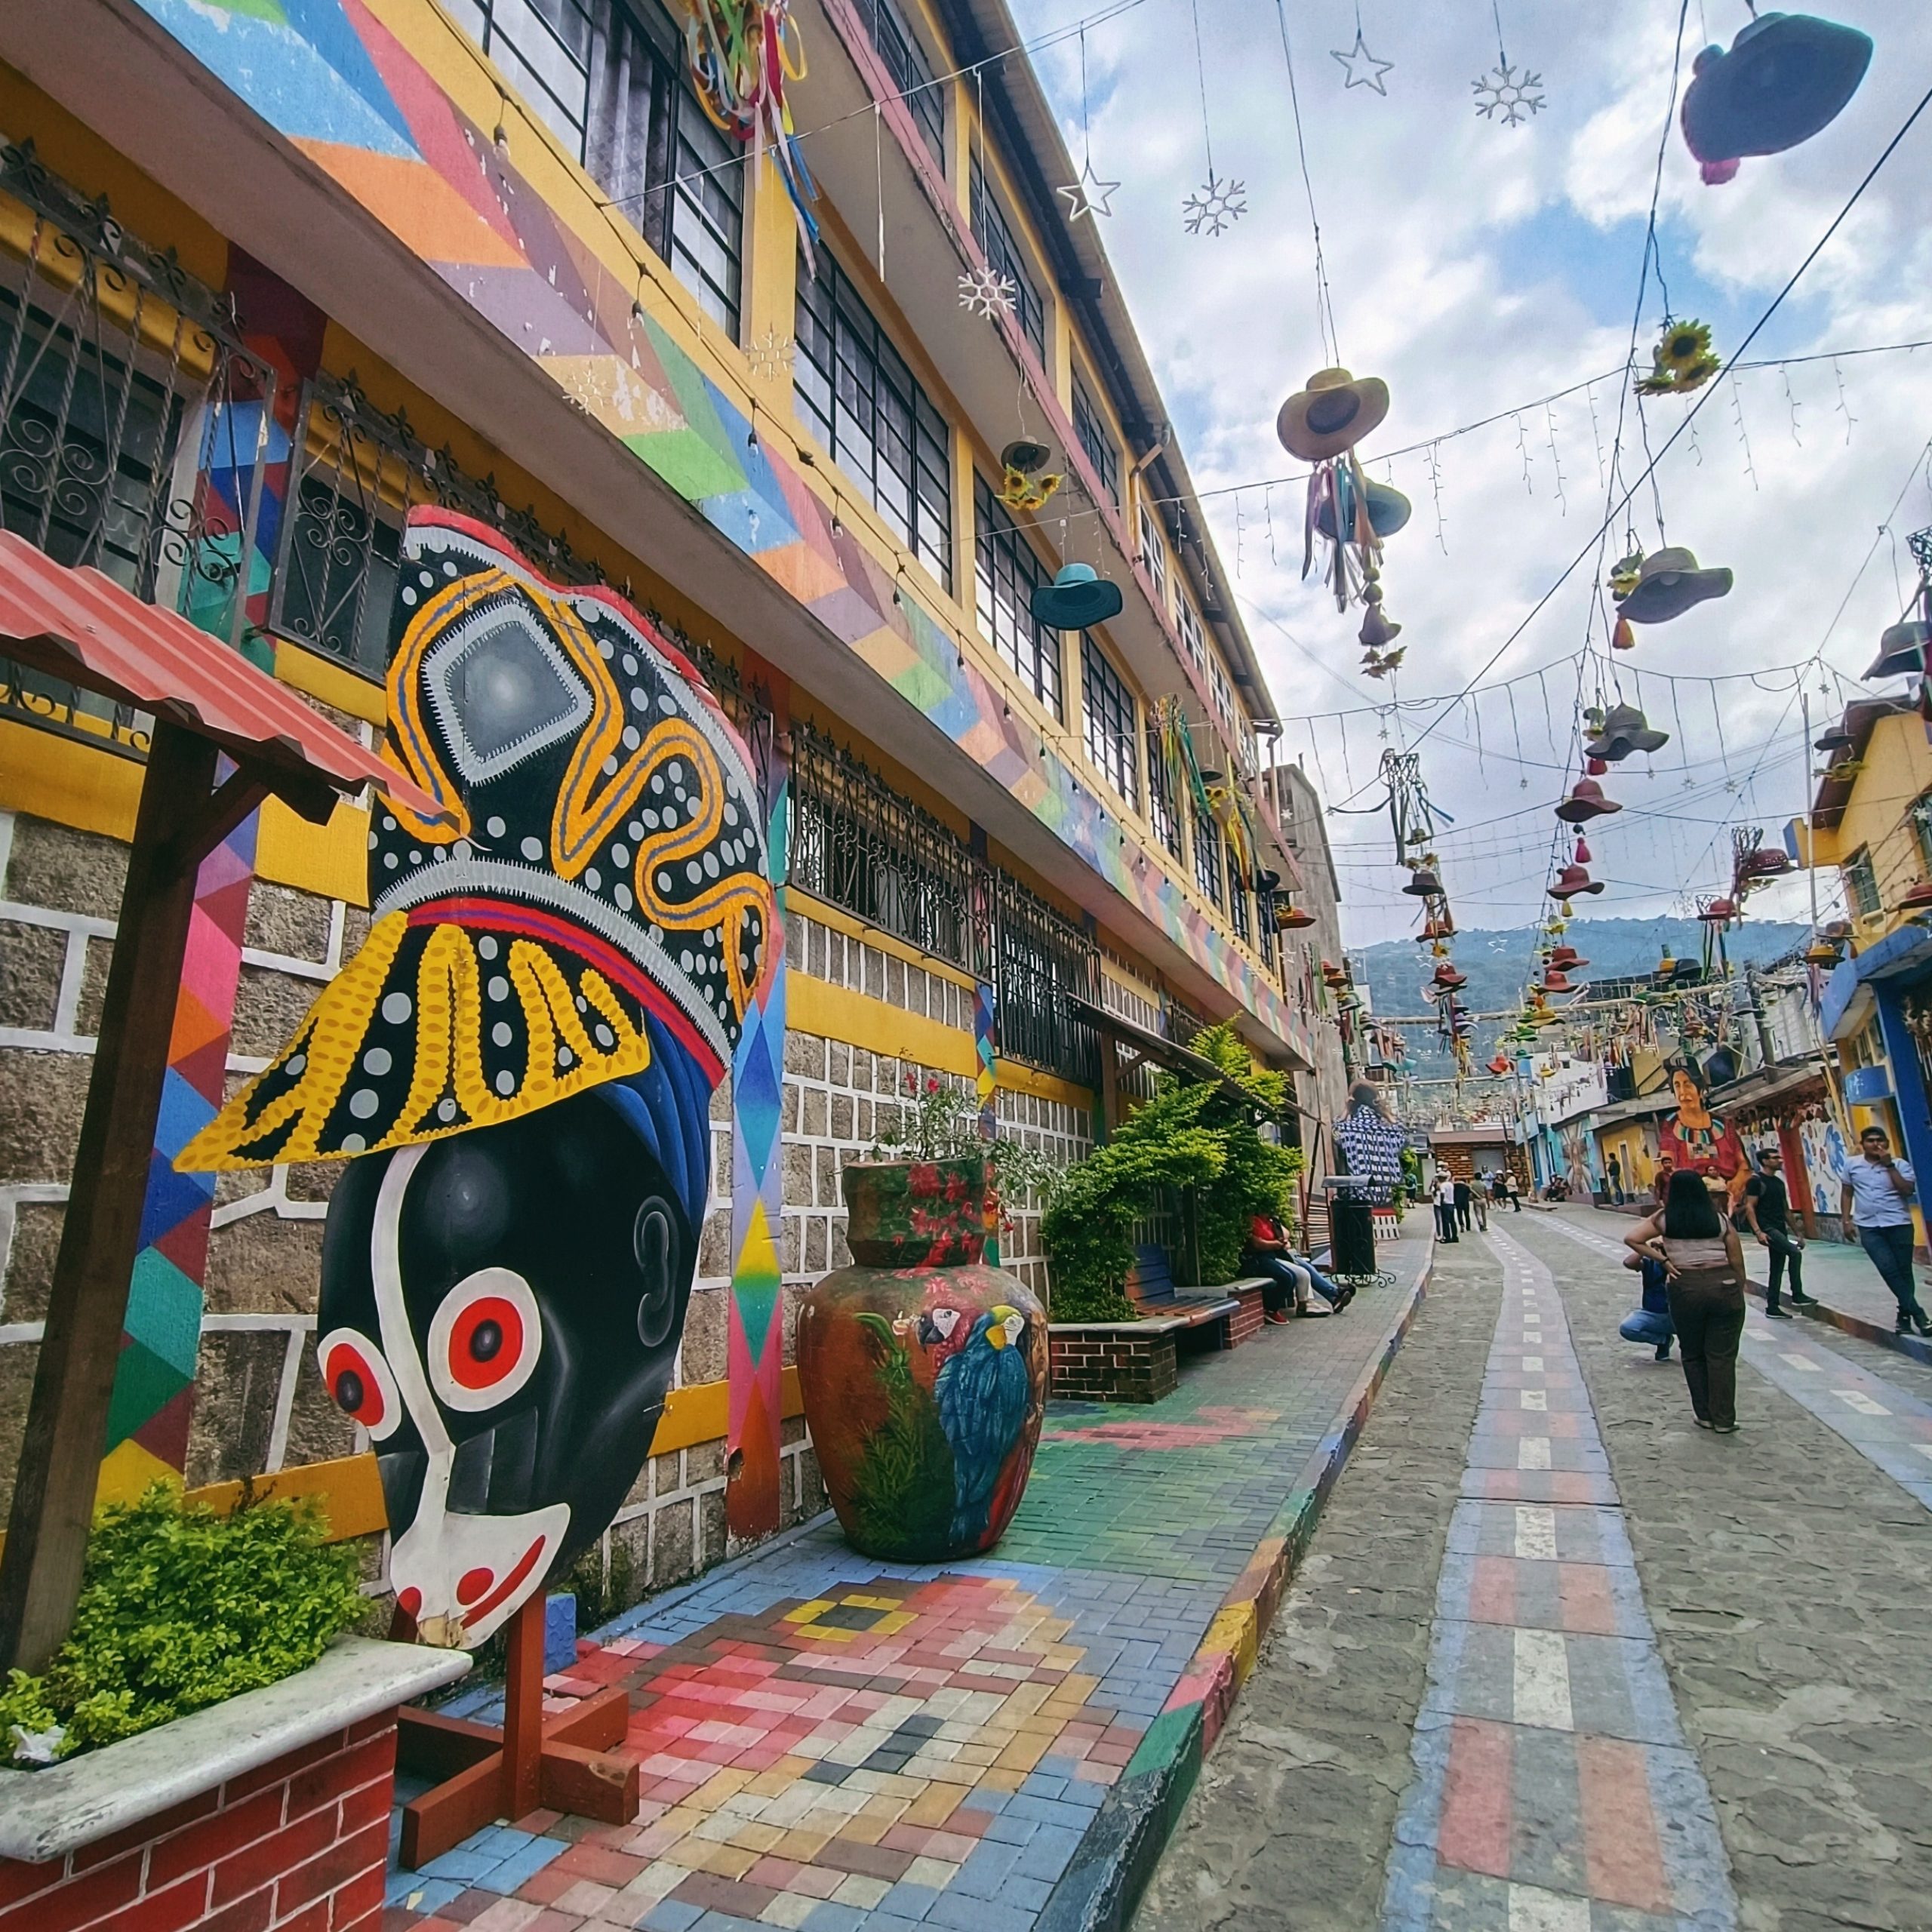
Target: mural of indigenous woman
[
  {"x": 520, "y": 1060},
  {"x": 1693, "y": 1137}
]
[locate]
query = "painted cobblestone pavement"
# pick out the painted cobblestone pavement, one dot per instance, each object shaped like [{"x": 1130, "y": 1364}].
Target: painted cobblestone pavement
[
  {"x": 827, "y": 1742},
  {"x": 1890, "y": 1426},
  {"x": 1553, "y": 1790}
]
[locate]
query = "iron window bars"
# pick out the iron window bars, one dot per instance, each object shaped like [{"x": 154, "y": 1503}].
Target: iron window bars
[
  {"x": 1861, "y": 883},
  {"x": 1005, "y": 256},
  {"x": 133, "y": 428},
  {"x": 1111, "y": 735},
  {"x": 1160, "y": 796},
  {"x": 1091, "y": 427},
  {"x": 1207, "y": 857},
  {"x": 864, "y": 405},
  {"x": 356, "y": 472},
  {"x": 912, "y": 73},
  {"x": 1007, "y": 572},
  {"x": 608, "y": 80}
]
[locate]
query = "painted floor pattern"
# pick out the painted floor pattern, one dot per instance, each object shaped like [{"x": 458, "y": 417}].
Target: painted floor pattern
[
  {"x": 831, "y": 1743},
  {"x": 1888, "y": 1426},
  {"x": 1553, "y": 1789}
]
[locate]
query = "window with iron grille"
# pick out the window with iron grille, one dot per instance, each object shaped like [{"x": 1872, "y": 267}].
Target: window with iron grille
[
  {"x": 1207, "y": 856},
  {"x": 1007, "y": 574},
  {"x": 1264, "y": 927},
  {"x": 1238, "y": 903},
  {"x": 607, "y": 77},
  {"x": 1160, "y": 796},
  {"x": 1090, "y": 426},
  {"x": 856, "y": 396},
  {"x": 1110, "y": 732},
  {"x": 1043, "y": 962},
  {"x": 912, "y": 73},
  {"x": 1005, "y": 256},
  {"x": 1154, "y": 556},
  {"x": 1861, "y": 883},
  {"x": 357, "y": 473}
]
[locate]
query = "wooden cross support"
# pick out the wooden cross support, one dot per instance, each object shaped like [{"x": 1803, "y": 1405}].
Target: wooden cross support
[{"x": 563, "y": 1762}]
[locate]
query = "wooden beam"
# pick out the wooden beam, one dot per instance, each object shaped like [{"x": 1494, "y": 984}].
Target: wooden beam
[{"x": 66, "y": 1426}]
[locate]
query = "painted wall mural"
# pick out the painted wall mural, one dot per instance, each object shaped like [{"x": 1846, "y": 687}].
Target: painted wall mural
[
  {"x": 334, "y": 82},
  {"x": 520, "y": 1063}
]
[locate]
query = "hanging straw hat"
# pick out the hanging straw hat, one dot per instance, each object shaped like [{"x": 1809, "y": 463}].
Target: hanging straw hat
[
  {"x": 1077, "y": 599},
  {"x": 1572, "y": 880},
  {"x": 1587, "y": 801},
  {"x": 1669, "y": 584},
  {"x": 1625, "y": 729},
  {"x": 1331, "y": 415}
]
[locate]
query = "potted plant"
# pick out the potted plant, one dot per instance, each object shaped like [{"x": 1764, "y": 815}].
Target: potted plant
[{"x": 924, "y": 1369}]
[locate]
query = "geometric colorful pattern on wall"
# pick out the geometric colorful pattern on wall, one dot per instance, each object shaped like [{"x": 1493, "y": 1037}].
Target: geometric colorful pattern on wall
[{"x": 344, "y": 90}]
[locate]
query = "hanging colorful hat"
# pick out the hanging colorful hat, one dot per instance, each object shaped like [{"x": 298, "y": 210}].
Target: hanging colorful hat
[
  {"x": 1291, "y": 918},
  {"x": 1572, "y": 880},
  {"x": 1625, "y": 729},
  {"x": 1902, "y": 651},
  {"x": 1568, "y": 958},
  {"x": 1078, "y": 598},
  {"x": 1025, "y": 455},
  {"x": 1786, "y": 77},
  {"x": 597, "y": 907},
  {"x": 1424, "y": 883},
  {"x": 1555, "y": 980},
  {"x": 1669, "y": 584},
  {"x": 1448, "y": 980},
  {"x": 1331, "y": 415},
  {"x": 1719, "y": 912},
  {"x": 1388, "y": 508}
]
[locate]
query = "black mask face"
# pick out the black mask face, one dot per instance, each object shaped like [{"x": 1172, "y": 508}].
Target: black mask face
[{"x": 502, "y": 1312}]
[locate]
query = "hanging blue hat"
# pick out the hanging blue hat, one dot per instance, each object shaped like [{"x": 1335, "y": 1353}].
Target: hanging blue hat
[
  {"x": 1787, "y": 76},
  {"x": 1389, "y": 509},
  {"x": 1076, "y": 599}
]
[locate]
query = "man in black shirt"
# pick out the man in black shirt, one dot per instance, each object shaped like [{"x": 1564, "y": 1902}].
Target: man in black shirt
[{"x": 1767, "y": 1206}]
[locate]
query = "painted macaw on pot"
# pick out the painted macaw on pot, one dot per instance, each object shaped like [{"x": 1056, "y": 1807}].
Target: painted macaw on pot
[{"x": 983, "y": 1388}]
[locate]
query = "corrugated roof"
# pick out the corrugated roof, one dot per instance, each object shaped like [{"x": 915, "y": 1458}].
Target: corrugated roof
[{"x": 79, "y": 625}]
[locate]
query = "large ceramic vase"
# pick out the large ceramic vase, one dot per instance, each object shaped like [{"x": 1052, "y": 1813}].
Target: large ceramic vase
[{"x": 924, "y": 1370}]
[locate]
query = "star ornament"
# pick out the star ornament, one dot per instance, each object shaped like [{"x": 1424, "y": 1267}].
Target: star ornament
[
  {"x": 1089, "y": 194},
  {"x": 1362, "y": 68}
]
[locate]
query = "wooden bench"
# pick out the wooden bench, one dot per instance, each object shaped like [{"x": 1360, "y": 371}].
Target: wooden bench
[{"x": 1213, "y": 1312}]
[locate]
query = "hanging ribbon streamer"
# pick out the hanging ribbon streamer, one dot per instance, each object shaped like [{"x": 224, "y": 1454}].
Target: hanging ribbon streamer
[{"x": 742, "y": 54}]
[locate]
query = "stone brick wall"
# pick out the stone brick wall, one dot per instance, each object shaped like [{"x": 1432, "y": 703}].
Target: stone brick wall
[
  {"x": 1103, "y": 1365},
  {"x": 302, "y": 1842}
]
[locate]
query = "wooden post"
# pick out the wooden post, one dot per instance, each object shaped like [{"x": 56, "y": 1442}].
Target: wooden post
[
  {"x": 523, "y": 1711},
  {"x": 66, "y": 1425}
]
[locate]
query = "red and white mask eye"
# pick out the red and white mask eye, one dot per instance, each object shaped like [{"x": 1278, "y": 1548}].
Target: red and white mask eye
[
  {"x": 358, "y": 1379},
  {"x": 485, "y": 1340}
]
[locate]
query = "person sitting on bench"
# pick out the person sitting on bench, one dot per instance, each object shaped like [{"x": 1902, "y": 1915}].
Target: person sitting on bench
[{"x": 1286, "y": 1273}]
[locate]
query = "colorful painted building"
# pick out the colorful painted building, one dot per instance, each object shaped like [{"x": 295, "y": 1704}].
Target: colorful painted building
[{"x": 270, "y": 276}]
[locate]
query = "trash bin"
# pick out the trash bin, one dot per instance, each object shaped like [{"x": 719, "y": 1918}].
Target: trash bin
[{"x": 1350, "y": 1236}]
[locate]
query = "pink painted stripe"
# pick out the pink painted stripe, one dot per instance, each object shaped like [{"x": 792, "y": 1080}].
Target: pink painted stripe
[
  {"x": 1583, "y": 1588},
  {"x": 1492, "y": 1591},
  {"x": 1621, "y": 1853},
  {"x": 1474, "y": 1835}
]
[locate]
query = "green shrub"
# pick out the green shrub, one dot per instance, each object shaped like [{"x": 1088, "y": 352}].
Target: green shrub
[{"x": 181, "y": 1608}]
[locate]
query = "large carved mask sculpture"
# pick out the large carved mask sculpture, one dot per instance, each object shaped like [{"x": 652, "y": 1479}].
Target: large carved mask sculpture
[{"x": 520, "y": 1060}]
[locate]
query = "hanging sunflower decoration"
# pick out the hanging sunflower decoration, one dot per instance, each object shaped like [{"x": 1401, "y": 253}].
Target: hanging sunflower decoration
[
  {"x": 1018, "y": 491},
  {"x": 1681, "y": 360}
]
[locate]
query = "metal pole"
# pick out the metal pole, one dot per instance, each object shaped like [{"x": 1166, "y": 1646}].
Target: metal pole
[{"x": 1811, "y": 869}]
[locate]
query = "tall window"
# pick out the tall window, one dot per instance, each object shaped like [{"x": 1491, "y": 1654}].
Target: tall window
[
  {"x": 1110, "y": 732},
  {"x": 912, "y": 73},
  {"x": 1005, "y": 257},
  {"x": 1861, "y": 883},
  {"x": 1224, "y": 695},
  {"x": 1160, "y": 796},
  {"x": 608, "y": 77},
  {"x": 854, "y": 389},
  {"x": 1194, "y": 639},
  {"x": 1153, "y": 555},
  {"x": 1008, "y": 572},
  {"x": 1238, "y": 901},
  {"x": 1207, "y": 856},
  {"x": 1090, "y": 426}
]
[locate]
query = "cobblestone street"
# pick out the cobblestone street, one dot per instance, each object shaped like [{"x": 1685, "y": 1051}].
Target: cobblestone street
[{"x": 1559, "y": 1662}]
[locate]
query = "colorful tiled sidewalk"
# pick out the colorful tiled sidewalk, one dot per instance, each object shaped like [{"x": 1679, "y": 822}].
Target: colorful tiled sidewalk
[
  {"x": 999, "y": 1745},
  {"x": 1553, "y": 1791}
]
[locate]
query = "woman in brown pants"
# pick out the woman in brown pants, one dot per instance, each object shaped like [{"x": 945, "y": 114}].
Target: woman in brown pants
[{"x": 1704, "y": 1264}]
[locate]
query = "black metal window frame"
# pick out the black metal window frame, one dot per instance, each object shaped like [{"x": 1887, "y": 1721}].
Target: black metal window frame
[
  {"x": 356, "y": 473},
  {"x": 1153, "y": 554},
  {"x": 1207, "y": 858},
  {"x": 608, "y": 78},
  {"x": 1162, "y": 812},
  {"x": 898, "y": 47},
  {"x": 1111, "y": 733},
  {"x": 1006, "y": 256},
  {"x": 134, "y": 424},
  {"x": 1006, "y": 574},
  {"x": 1043, "y": 962},
  {"x": 1090, "y": 426},
  {"x": 1193, "y": 633},
  {"x": 1861, "y": 883},
  {"x": 856, "y": 394},
  {"x": 1238, "y": 904}
]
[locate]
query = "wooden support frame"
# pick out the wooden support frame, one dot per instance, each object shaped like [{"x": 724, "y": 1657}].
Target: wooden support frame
[{"x": 565, "y": 1762}]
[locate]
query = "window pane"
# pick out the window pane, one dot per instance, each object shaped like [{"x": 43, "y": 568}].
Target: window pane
[
  {"x": 906, "y": 61},
  {"x": 1005, "y": 257},
  {"x": 1110, "y": 732},
  {"x": 1091, "y": 429},
  {"x": 1007, "y": 572}
]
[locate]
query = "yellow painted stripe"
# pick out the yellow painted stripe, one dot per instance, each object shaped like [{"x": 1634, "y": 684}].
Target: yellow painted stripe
[
  {"x": 322, "y": 677},
  {"x": 840, "y": 921},
  {"x": 837, "y": 1013},
  {"x": 331, "y": 860},
  {"x": 1234, "y": 1633},
  {"x": 70, "y": 783},
  {"x": 1011, "y": 1076},
  {"x": 702, "y": 1413}
]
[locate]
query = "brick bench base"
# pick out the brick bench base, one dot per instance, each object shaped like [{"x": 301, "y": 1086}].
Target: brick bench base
[{"x": 1110, "y": 1362}]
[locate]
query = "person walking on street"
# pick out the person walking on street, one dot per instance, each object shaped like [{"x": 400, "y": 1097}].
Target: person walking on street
[
  {"x": 1445, "y": 1207},
  {"x": 1877, "y": 1198},
  {"x": 1464, "y": 1199},
  {"x": 1479, "y": 1197},
  {"x": 1767, "y": 1212},
  {"x": 1515, "y": 1195},
  {"x": 1613, "y": 1168},
  {"x": 1703, "y": 1262}
]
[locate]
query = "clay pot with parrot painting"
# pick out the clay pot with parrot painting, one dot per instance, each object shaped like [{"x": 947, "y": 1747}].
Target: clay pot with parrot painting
[{"x": 923, "y": 1370}]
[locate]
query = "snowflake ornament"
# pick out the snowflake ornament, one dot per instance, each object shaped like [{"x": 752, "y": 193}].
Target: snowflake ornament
[
  {"x": 1505, "y": 90},
  {"x": 771, "y": 356},
  {"x": 987, "y": 293},
  {"x": 1216, "y": 207}
]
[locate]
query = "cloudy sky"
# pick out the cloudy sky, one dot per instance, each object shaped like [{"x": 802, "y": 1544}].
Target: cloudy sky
[{"x": 1480, "y": 268}]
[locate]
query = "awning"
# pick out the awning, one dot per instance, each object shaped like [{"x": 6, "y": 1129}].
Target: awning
[
  {"x": 1768, "y": 1083},
  {"x": 1159, "y": 1048},
  {"x": 84, "y": 627}
]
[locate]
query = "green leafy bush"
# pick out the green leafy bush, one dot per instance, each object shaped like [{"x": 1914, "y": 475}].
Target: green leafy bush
[{"x": 181, "y": 1608}]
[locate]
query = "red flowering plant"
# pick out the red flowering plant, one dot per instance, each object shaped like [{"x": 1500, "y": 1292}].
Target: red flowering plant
[{"x": 940, "y": 1122}]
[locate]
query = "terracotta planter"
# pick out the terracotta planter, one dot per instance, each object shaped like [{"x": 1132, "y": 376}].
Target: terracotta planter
[{"x": 924, "y": 1370}]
